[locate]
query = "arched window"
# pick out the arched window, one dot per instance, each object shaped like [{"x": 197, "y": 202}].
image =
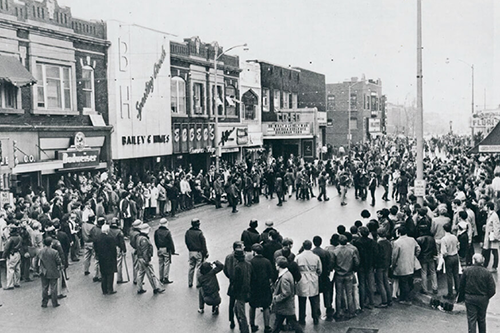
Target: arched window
[
  {"x": 178, "y": 95},
  {"x": 250, "y": 102}
]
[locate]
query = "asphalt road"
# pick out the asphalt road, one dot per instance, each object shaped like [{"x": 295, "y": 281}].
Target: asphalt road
[{"x": 87, "y": 310}]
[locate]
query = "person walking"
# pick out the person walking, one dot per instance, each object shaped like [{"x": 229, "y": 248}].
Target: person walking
[
  {"x": 121, "y": 249},
  {"x": 477, "y": 286},
  {"x": 372, "y": 186},
  {"x": 405, "y": 250},
  {"x": 283, "y": 303},
  {"x": 165, "y": 247},
  {"x": 197, "y": 246},
  {"x": 134, "y": 232},
  {"x": 50, "y": 271},
  {"x": 308, "y": 286},
  {"x": 322, "y": 187},
  {"x": 12, "y": 255},
  {"x": 105, "y": 249},
  {"x": 144, "y": 254}
]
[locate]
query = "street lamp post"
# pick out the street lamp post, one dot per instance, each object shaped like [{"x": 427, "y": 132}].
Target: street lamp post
[
  {"x": 216, "y": 107},
  {"x": 420, "y": 111}
]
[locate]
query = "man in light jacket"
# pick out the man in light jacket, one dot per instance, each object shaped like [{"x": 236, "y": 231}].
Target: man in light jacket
[
  {"x": 404, "y": 254},
  {"x": 308, "y": 286}
]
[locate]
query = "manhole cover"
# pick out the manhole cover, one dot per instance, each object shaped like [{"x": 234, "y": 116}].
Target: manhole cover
[{"x": 362, "y": 330}]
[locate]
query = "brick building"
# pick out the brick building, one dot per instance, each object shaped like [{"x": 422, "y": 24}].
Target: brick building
[
  {"x": 54, "y": 106},
  {"x": 366, "y": 106}
]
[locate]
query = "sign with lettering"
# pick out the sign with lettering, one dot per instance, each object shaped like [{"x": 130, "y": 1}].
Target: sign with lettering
[
  {"x": 287, "y": 129},
  {"x": 419, "y": 188},
  {"x": 139, "y": 92},
  {"x": 484, "y": 122},
  {"x": 374, "y": 125},
  {"x": 79, "y": 159},
  {"x": 193, "y": 138}
]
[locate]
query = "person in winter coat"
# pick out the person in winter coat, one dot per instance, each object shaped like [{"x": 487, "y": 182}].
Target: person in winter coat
[
  {"x": 308, "y": 286},
  {"x": 242, "y": 281},
  {"x": 491, "y": 243},
  {"x": 250, "y": 236},
  {"x": 260, "y": 287},
  {"x": 105, "y": 249},
  {"x": 428, "y": 250},
  {"x": 208, "y": 286},
  {"x": 229, "y": 265},
  {"x": 283, "y": 303}
]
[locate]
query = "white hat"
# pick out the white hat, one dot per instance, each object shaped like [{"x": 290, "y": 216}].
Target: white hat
[{"x": 163, "y": 221}]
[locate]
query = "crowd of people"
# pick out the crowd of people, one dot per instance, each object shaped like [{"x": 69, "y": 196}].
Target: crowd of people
[{"x": 95, "y": 215}]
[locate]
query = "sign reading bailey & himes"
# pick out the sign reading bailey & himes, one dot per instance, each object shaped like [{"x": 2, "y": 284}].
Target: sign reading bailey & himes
[{"x": 79, "y": 159}]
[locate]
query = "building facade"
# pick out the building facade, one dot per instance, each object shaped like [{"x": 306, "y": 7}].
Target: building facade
[
  {"x": 362, "y": 111},
  {"x": 54, "y": 101},
  {"x": 139, "y": 97}
]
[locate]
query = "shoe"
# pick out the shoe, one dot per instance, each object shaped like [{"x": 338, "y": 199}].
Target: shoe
[
  {"x": 61, "y": 296},
  {"x": 327, "y": 199},
  {"x": 17, "y": 286},
  {"x": 389, "y": 303},
  {"x": 423, "y": 292},
  {"x": 235, "y": 211},
  {"x": 215, "y": 311},
  {"x": 56, "y": 305},
  {"x": 493, "y": 270},
  {"x": 96, "y": 279},
  {"x": 279, "y": 205},
  {"x": 302, "y": 322},
  {"x": 255, "y": 328},
  {"x": 343, "y": 203},
  {"x": 86, "y": 273},
  {"x": 381, "y": 306},
  {"x": 232, "y": 325},
  {"x": 167, "y": 281},
  {"x": 201, "y": 311},
  {"x": 268, "y": 329},
  {"x": 158, "y": 291},
  {"x": 142, "y": 291},
  {"x": 75, "y": 260},
  {"x": 408, "y": 303},
  {"x": 28, "y": 280},
  {"x": 369, "y": 307},
  {"x": 121, "y": 282},
  {"x": 190, "y": 285},
  {"x": 319, "y": 199},
  {"x": 435, "y": 292},
  {"x": 44, "y": 305},
  {"x": 316, "y": 321},
  {"x": 112, "y": 292},
  {"x": 10, "y": 288}
]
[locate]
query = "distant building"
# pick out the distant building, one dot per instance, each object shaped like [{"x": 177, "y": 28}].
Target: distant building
[
  {"x": 53, "y": 95},
  {"x": 366, "y": 111}
]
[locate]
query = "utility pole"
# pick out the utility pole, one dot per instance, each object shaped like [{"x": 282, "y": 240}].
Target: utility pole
[{"x": 420, "y": 114}]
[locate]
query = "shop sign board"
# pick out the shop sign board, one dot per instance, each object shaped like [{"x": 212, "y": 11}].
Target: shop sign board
[
  {"x": 286, "y": 129},
  {"x": 233, "y": 136},
  {"x": 79, "y": 158},
  {"x": 192, "y": 137},
  {"x": 419, "y": 188},
  {"x": 139, "y": 91},
  {"x": 374, "y": 125}
]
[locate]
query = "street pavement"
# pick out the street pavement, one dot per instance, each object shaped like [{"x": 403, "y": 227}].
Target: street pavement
[{"x": 87, "y": 310}]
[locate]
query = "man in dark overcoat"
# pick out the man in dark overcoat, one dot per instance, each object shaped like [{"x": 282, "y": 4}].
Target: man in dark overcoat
[{"x": 105, "y": 249}]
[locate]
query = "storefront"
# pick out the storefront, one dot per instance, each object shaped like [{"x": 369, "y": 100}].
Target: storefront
[
  {"x": 192, "y": 145},
  {"x": 233, "y": 139},
  {"x": 295, "y": 132}
]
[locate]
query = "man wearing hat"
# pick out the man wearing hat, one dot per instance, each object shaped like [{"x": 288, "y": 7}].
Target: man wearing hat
[
  {"x": 12, "y": 254},
  {"x": 165, "y": 247},
  {"x": 241, "y": 283},
  {"x": 250, "y": 236},
  {"x": 144, "y": 255},
  {"x": 229, "y": 265},
  {"x": 197, "y": 246},
  {"x": 134, "y": 232},
  {"x": 121, "y": 249},
  {"x": 125, "y": 209},
  {"x": 260, "y": 287},
  {"x": 264, "y": 236}
]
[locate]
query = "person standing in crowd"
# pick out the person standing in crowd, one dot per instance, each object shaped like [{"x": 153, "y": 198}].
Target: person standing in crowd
[
  {"x": 344, "y": 183},
  {"x": 126, "y": 212},
  {"x": 88, "y": 245},
  {"x": 165, "y": 247},
  {"x": 250, "y": 236},
  {"x": 385, "y": 184},
  {"x": 284, "y": 298},
  {"x": 477, "y": 287},
  {"x": 405, "y": 251},
  {"x": 232, "y": 195},
  {"x": 144, "y": 255},
  {"x": 242, "y": 281},
  {"x": 372, "y": 186},
  {"x": 229, "y": 265},
  {"x": 449, "y": 251},
  {"x": 382, "y": 264},
  {"x": 105, "y": 249},
  {"x": 208, "y": 286},
  {"x": 324, "y": 280},
  {"x": 134, "y": 232},
  {"x": 197, "y": 246},
  {"x": 12, "y": 255},
  {"x": 121, "y": 249},
  {"x": 367, "y": 249},
  {"x": 50, "y": 268},
  {"x": 279, "y": 188},
  {"x": 428, "y": 251},
  {"x": 218, "y": 190},
  {"x": 162, "y": 197},
  {"x": 261, "y": 293},
  {"x": 491, "y": 243},
  {"x": 308, "y": 286},
  {"x": 322, "y": 186},
  {"x": 95, "y": 233}
]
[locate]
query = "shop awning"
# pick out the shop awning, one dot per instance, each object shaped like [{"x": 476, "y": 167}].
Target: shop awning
[
  {"x": 12, "y": 71},
  {"x": 490, "y": 144}
]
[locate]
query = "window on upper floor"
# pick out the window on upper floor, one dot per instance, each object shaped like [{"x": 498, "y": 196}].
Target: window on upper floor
[
  {"x": 53, "y": 89},
  {"x": 354, "y": 123},
  {"x": 354, "y": 101},
  {"x": 295, "y": 103},
  {"x": 276, "y": 99},
  {"x": 265, "y": 100},
  {"x": 178, "y": 95},
  {"x": 249, "y": 101},
  {"x": 286, "y": 99},
  {"x": 198, "y": 99},
  {"x": 9, "y": 94},
  {"x": 330, "y": 102},
  {"x": 230, "y": 103},
  {"x": 87, "y": 84},
  {"x": 217, "y": 102}
]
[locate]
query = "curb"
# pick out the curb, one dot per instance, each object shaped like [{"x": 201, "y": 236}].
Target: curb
[{"x": 425, "y": 301}]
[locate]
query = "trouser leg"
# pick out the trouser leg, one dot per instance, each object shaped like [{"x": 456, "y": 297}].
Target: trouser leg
[
  {"x": 239, "y": 308},
  {"x": 302, "y": 309},
  {"x": 89, "y": 249},
  {"x": 379, "y": 278},
  {"x": 119, "y": 265}
]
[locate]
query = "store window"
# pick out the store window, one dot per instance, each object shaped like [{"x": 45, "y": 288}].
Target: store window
[
  {"x": 198, "y": 99},
  {"x": 178, "y": 95},
  {"x": 249, "y": 101},
  {"x": 265, "y": 100},
  {"x": 87, "y": 84},
  {"x": 53, "y": 88},
  {"x": 230, "y": 101}
]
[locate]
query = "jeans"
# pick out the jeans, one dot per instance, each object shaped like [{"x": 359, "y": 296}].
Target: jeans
[
  {"x": 239, "y": 310},
  {"x": 315, "y": 312},
  {"x": 451, "y": 266},
  {"x": 164, "y": 259},
  {"x": 195, "y": 259},
  {"x": 405, "y": 287},
  {"x": 428, "y": 267},
  {"x": 383, "y": 286},
  {"x": 145, "y": 268},
  {"x": 476, "y": 312},
  {"x": 344, "y": 286},
  {"x": 366, "y": 281},
  {"x": 46, "y": 283},
  {"x": 487, "y": 254}
]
